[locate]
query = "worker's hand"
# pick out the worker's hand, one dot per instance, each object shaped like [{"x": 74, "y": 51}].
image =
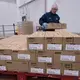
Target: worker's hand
[{"x": 44, "y": 26}]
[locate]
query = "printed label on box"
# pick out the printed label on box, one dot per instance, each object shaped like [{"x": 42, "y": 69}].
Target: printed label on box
[
  {"x": 71, "y": 73},
  {"x": 54, "y": 46},
  {"x": 53, "y": 71},
  {"x": 37, "y": 70},
  {"x": 69, "y": 47},
  {"x": 72, "y": 47},
  {"x": 36, "y": 46},
  {"x": 24, "y": 56},
  {"x": 5, "y": 57},
  {"x": 45, "y": 59},
  {"x": 76, "y": 47},
  {"x": 67, "y": 58},
  {"x": 3, "y": 68}
]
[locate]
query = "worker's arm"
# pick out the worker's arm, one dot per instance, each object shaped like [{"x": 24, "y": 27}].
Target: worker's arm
[
  {"x": 42, "y": 20},
  {"x": 58, "y": 19}
]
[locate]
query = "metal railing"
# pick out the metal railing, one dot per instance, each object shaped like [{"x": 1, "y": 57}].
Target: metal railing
[{"x": 7, "y": 30}]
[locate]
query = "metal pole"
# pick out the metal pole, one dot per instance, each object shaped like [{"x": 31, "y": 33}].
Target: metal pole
[
  {"x": 3, "y": 30},
  {"x": 14, "y": 28},
  {"x": 45, "y": 6}
]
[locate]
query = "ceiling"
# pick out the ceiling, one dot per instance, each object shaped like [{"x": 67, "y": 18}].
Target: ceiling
[{"x": 11, "y": 1}]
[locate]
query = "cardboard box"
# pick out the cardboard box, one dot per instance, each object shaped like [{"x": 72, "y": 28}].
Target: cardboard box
[
  {"x": 57, "y": 58},
  {"x": 26, "y": 27},
  {"x": 71, "y": 69},
  {"x": 53, "y": 41},
  {"x": 71, "y": 65},
  {"x": 76, "y": 39},
  {"x": 1, "y": 51},
  {"x": 66, "y": 56},
  {"x": 70, "y": 41},
  {"x": 35, "y": 42},
  {"x": 53, "y": 69},
  {"x": 23, "y": 55},
  {"x": 67, "y": 66},
  {"x": 5, "y": 56},
  {"x": 45, "y": 57},
  {"x": 56, "y": 26},
  {"x": 17, "y": 66},
  {"x": 2, "y": 62},
  {"x": 5, "y": 51},
  {"x": 68, "y": 37},
  {"x": 17, "y": 40},
  {"x": 76, "y": 45},
  {"x": 2, "y": 65},
  {"x": 72, "y": 47},
  {"x": 37, "y": 67}
]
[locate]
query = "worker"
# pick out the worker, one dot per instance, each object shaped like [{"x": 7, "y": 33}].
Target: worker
[
  {"x": 17, "y": 30},
  {"x": 49, "y": 17}
]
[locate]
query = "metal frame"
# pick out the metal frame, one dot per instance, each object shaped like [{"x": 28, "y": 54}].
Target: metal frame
[
  {"x": 3, "y": 30},
  {"x": 24, "y": 76}
]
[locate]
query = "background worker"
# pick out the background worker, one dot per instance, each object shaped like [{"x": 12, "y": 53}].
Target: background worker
[
  {"x": 17, "y": 30},
  {"x": 49, "y": 17}
]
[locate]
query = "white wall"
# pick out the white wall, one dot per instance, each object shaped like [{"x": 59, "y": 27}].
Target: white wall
[
  {"x": 18, "y": 11},
  {"x": 69, "y": 11},
  {"x": 8, "y": 13},
  {"x": 35, "y": 10},
  {"x": 49, "y": 4}
]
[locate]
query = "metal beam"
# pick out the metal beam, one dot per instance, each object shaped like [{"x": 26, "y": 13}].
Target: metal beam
[
  {"x": 26, "y": 3},
  {"x": 9, "y": 1},
  {"x": 45, "y": 5}
]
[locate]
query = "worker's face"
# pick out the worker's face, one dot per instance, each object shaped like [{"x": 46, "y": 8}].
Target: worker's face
[{"x": 54, "y": 10}]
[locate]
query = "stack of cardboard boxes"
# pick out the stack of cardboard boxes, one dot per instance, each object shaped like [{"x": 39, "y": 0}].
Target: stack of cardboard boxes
[
  {"x": 35, "y": 44},
  {"x": 70, "y": 55},
  {"x": 51, "y": 52},
  {"x": 58, "y": 51},
  {"x": 44, "y": 45},
  {"x": 14, "y": 55}
]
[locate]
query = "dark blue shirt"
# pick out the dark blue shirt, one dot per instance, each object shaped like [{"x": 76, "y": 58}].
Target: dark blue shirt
[{"x": 49, "y": 17}]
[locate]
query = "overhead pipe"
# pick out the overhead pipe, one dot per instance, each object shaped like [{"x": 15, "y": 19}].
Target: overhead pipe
[{"x": 26, "y": 3}]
